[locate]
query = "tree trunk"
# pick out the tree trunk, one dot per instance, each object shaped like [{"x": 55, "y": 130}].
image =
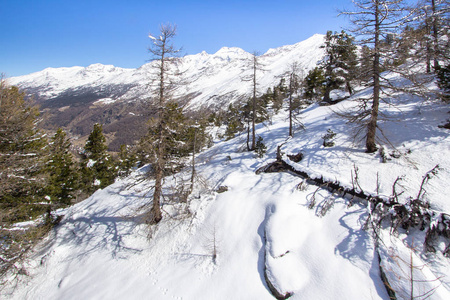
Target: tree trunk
[
  {"x": 435, "y": 37},
  {"x": 254, "y": 105},
  {"x": 429, "y": 53},
  {"x": 248, "y": 134},
  {"x": 290, "y": 105},
  {"x": 349, "y": 88},
  {"x": 326, "y": 94},
  {"x": 193, "y": 161},
  {"x": 162, "y": 50},
  {"x": 372, "y": 126},
  {"x": 155, "y": 213}
]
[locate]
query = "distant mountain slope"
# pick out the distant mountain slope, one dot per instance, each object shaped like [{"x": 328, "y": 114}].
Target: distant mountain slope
[
  {"x": 77, "y": 97},
  {"x": 208, "y": 75}
]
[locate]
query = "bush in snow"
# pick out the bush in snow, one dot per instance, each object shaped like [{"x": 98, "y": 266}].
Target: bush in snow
[
  {"x": 443, "y": 76},
  {"x": 328, "y": 139},
  {"x": 260, "y": 148}
]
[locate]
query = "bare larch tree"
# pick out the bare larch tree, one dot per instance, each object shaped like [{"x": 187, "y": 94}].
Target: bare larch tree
[
  {"x": 163, "y": 56},
  {"x": 255, "y": 66},
  {"x": 374, "y": 21}
]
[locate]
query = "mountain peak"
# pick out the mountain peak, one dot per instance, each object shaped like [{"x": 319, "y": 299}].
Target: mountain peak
[
  {"x": 231, "y": 52},
  {"x": 311, "y": 42},
  {"x": 100, "y": 67}
]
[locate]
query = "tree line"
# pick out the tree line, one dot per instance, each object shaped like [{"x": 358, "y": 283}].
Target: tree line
[{"x": 41, "y": 172}]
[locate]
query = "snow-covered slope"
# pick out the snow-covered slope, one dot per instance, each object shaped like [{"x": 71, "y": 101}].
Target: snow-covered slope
[
  {"x": 262, "y": 227},
  {"x": 214, "y": 79}
]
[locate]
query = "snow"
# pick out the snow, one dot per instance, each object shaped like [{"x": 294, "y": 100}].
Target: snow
[
  {"x": 262, "y": 226},
  {"x": 215, "y": 80},
  {"x": 104, "y": 101},
  {"x": 90, "y": 163}
]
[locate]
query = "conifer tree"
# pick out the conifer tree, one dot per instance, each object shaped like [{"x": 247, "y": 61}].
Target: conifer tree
[
  {"x": 279, "y": 94},
  {"x": 63, "y": 176},
  {"x": 97, "y": 167},
  {"x": 127, "y": 160},
  {"x": 444, "y": 82},
  {"x": 234, "y": 121},
  {"x": 339, "y": 63},
  {"x": 314, "y": 84},
  {"x": 22, "y": 156},
  {"x": 365, "y": 66}
]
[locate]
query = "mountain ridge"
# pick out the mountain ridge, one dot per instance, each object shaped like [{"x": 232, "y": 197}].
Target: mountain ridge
[
  {"x": 73, "y": 76},
  {"x": 71, "y": 97}
]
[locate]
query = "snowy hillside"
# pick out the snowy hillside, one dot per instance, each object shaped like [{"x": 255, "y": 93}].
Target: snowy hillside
[
  {"x": 214, "y": 79},
  {"x": 266, "y": 235}
]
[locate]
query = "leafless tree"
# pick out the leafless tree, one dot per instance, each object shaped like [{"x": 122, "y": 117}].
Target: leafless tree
[
  {"x": 374, "y": 22},
  {"x": 164, "y": 56},
  {"x": 434, "y": 19},
  {"x": 256, "y": 67},
  {"x": 295, "y": 78}
]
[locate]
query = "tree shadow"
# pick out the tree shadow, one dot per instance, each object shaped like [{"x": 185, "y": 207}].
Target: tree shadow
[
  {"x": 356, "y": 246},
  {"x": 115, "y": 229}
]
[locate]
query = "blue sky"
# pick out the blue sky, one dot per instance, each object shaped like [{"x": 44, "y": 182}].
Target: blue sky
[{"x": 37, "y": 34}]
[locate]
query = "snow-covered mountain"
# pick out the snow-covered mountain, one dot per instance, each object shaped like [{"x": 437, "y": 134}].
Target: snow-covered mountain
[
  {"x": 267, "y": 232},
  {"x": 75, "y": 98},
  {"x": 213, "y": 79}
]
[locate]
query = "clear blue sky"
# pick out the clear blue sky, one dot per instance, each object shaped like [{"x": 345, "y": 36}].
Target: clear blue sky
[{"x": 36, "y": 34}]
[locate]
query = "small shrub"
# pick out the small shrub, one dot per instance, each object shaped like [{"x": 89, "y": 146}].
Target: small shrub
[
  {"x": 260, "y": 147},
  {"x": 443, "y": 77},
  {"x": 222, "y": 189},
  {"x": 328, "y": 139}
]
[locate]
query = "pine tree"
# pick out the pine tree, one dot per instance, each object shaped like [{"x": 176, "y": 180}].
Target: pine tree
[
  {"x": 339, "y": 63},
  {"x": 364, "y": 68},
  {"x": 235, "y": 123},
  {"x": 444, "y": 82},
  {"x": 127, "y": 160},
  {"x": 97, "y": 167},
  {"x": 63, "y": 176},
  {"x": 314, "y": 84},
  {"x": 22, "y": 156},
  {"x": 279, "y": 94}
]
